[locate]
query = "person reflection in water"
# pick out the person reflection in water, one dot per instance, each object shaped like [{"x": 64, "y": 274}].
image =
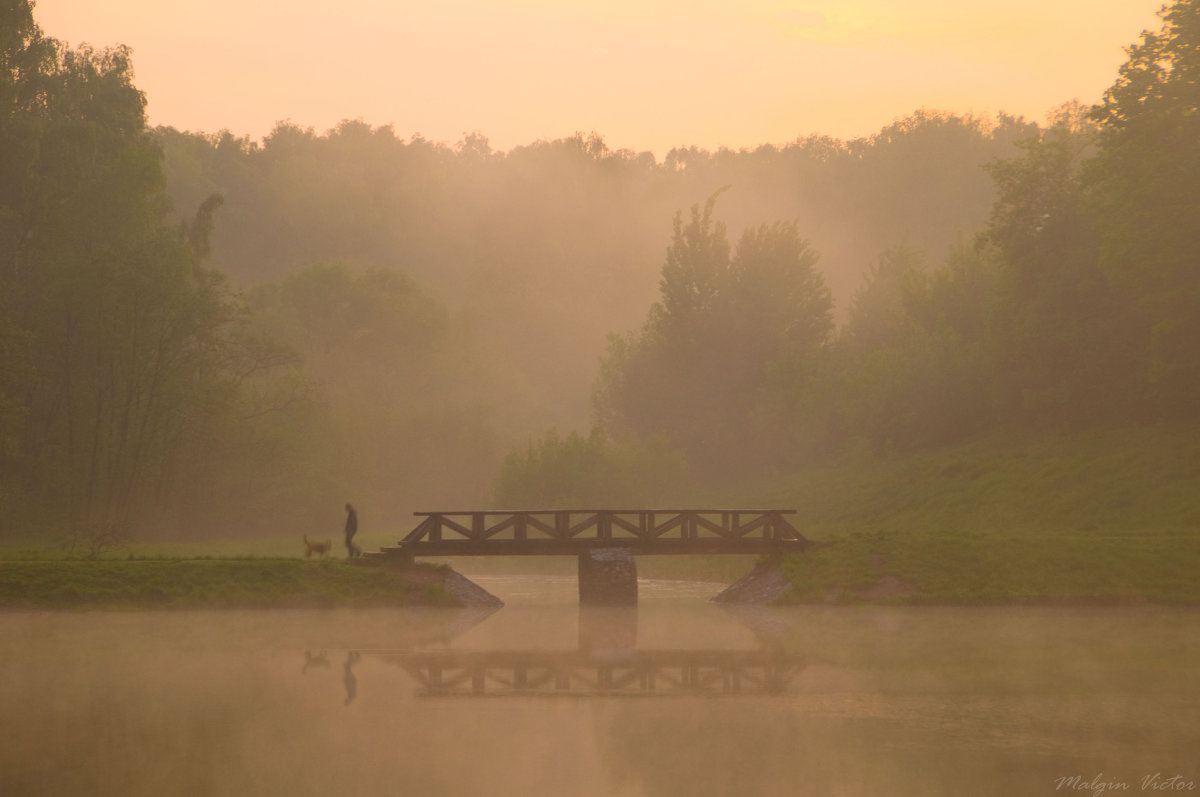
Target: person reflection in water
[
  {"x": 351, "y": 529},
  {"x": 351, "y": 681}
]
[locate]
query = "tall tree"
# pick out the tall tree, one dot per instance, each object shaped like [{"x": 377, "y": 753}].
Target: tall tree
[
  {"x": 728, "y": 350},
  {"x": 123, "y": 339},
  {"x": 1145, "y": 185},
  {"x": 1066, "y": 345},
  {"x": 647, "y": 377}
]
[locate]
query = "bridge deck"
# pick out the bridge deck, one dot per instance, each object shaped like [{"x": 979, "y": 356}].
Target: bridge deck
[{"x": 568, "y": 532}]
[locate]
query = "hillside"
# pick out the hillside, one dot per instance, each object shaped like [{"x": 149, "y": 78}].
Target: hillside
[{"x": 1103, "y": 516}]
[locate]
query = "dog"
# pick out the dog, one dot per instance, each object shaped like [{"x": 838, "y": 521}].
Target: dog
[{"x": 319, "y": 548}]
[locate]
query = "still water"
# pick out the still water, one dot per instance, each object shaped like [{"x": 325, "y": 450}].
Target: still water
[{"x": 678, "y": 697}]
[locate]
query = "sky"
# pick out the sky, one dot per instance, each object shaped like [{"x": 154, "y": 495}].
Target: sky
[{"x": 644, "y": 74}]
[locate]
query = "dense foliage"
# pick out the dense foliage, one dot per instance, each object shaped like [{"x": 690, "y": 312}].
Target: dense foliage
[
  {"x": 204, "y": 332},
  {"x": 550, "y": 247},
  {"x": 125, "y": 361},
  {"x": 1075, "y": 306},
  {"x": 734, "y": 340},
  {"x": 536, "y": 257},
  {"x": 1142, "y": 192}
]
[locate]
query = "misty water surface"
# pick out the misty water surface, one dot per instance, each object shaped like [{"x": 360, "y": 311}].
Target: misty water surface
[{"x": 821, "y": 701}]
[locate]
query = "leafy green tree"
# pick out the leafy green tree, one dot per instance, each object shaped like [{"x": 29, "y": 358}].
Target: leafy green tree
[
  {"x": 912, "y": 363},
  {"x": 544, "y": 249},
  {"x": 76, "y": 199},
  {"x": 121, "y": 346},
  {"x": 729, "y": 349},
  {"x": 400, "y": 427},
  {"x": 647, "y": 379},
  {"x": 777, "y": 308},
  {"x": 337, "y": 310},
  {"x": 1144, "y": 183},
  {"x": 1066, "y": 343},
  {"x": 695, "y": 271}
]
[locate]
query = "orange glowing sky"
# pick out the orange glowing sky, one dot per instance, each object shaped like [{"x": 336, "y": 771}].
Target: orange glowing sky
[{"x": 646, "y": 75}]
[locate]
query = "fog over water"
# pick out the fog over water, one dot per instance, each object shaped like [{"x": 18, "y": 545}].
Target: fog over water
[{"x": 856, "y": 701}]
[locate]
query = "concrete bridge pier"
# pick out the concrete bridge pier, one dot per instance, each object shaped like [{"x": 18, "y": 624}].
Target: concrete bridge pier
[{"x": 607, "y": 577}]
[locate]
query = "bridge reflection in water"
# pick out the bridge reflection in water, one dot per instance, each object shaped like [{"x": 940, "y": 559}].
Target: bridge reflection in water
[
  {"x": 607, "y": 663},
  {"x": 635, "y": 673}
]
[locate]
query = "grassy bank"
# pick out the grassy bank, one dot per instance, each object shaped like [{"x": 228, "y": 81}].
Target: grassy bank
[
  {"x": 213, "y": 583},
  {"x": 1099, "y": 517},
  {"x": 1112, "y": 517},
  {"x": 991, "y": 569},
  {"x": 56, "y": 547}
]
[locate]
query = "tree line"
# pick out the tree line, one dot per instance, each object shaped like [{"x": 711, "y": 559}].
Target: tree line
[
  {"x": 1075, "y": 306},
  {"x": 535, "y": 256},
  {"x": 202, "y": 333},
  {"x": 553, "y": 245}
]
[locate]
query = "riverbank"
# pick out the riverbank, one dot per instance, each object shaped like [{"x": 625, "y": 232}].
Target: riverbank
[
  {"x": 245, "y": 583},
  {"x": 997, "y": 570},
  {"x": 1098, "y": 518}
]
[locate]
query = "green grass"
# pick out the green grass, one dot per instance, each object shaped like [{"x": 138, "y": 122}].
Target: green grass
[
  {"x": 248, "y": 548},
  {"x": 1101, "y": 517},
  {"x": 1097, "y": 517},
  {"x": 212, "y": 583},
  {"x": 987, "y": 569}
]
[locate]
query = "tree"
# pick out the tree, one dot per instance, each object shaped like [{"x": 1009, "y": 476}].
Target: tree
[
  {"x": 911, "y": 365},
  {"x": 404, "y": 420},
  {"x": 695, "y": 271},
  {"x": 1144, "y": 186},
  {"x": 1067, "y": 346},
  {"x": 777, "y": 307},
  {"x": 123, "y": 345},
  {"x": 727, "y": 351},
  {"x": 645, "y": 379}
]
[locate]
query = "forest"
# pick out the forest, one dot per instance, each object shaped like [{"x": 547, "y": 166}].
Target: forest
[{"x": 205, "y": 335}]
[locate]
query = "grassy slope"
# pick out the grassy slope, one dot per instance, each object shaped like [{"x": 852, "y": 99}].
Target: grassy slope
[
  {"x": 210, "y": 583},
  {"x": 1112, "y": 516}
]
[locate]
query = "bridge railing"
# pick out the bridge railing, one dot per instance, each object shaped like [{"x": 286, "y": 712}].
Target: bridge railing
[{"x": 645, "y": 525}]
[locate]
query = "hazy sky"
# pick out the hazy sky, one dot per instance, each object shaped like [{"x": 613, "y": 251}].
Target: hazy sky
[{"x": 649, "y": 74}]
